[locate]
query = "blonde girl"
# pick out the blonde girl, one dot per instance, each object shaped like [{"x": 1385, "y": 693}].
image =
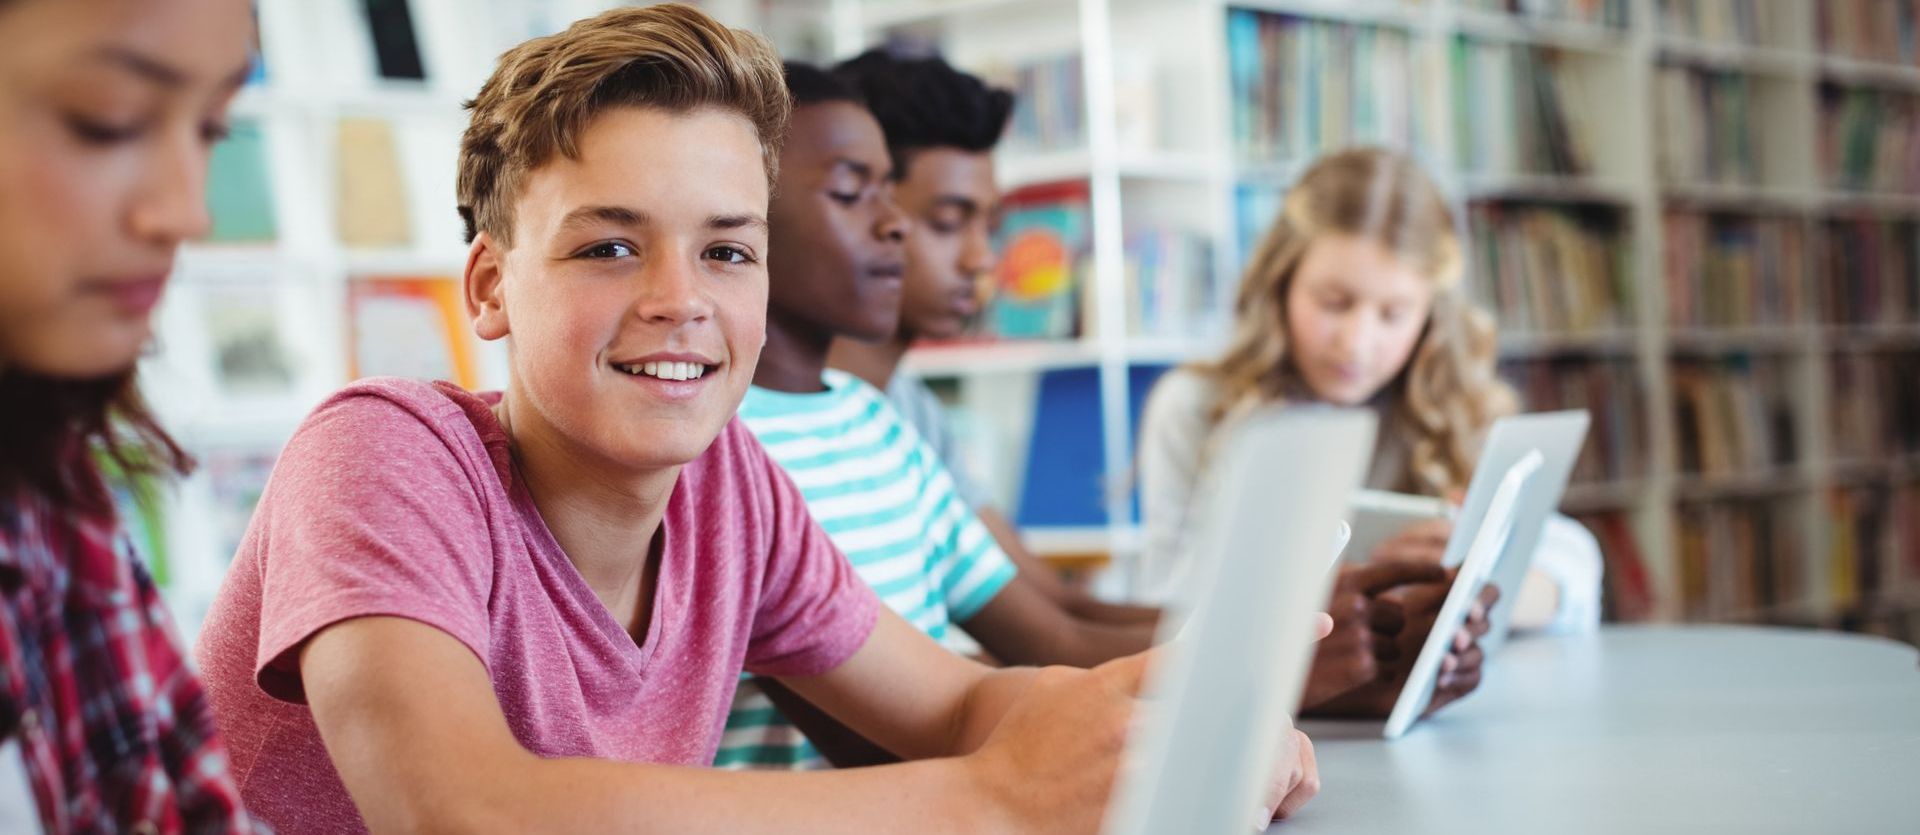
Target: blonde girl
[{"x": 1354, "y": 299}]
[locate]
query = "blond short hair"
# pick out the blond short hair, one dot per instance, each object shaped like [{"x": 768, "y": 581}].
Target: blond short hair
[{"x": 546, "y": 92}]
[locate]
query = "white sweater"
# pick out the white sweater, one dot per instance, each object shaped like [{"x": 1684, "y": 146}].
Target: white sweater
[{"x": 1173, "y": 436}]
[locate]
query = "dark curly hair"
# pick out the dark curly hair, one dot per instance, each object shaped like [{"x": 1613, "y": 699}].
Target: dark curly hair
[{"x": 926, "y": 103}]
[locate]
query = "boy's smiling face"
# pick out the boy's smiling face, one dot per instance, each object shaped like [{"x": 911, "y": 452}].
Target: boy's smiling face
[
  {"x": 837, "y": 235},
  {"x": 635, "y": 293}
]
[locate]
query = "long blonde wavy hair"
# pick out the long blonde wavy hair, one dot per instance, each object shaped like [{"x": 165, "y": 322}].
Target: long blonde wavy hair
[{"x": 1442, "y": 402}]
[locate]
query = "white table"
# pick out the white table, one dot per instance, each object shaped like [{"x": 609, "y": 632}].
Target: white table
[{"x": 1642, "y": 730}]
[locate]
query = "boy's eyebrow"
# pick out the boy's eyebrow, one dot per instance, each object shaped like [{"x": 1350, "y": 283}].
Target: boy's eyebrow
[
  {"x": 741, "y": 221},
  {"x": 958, "y": 201},
  {"x": 590, "y": 215},
  {"x": 861, "y": 169}
]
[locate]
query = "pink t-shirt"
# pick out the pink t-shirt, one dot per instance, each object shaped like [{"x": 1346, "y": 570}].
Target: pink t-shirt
[{"x": 398, "y": 497}]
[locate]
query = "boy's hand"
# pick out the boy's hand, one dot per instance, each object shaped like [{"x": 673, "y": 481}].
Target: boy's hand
[
  {"x": 1295, "y": 781},
  {"x": 1349, "y": 658},
  {"x": 1402, "y": 617},
  {"x": 1049, "y": 765}
]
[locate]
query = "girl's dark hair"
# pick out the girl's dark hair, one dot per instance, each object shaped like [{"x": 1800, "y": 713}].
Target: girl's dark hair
[
  {"x": 926, "y": 103},
  {"x": 51, "y": 429}
]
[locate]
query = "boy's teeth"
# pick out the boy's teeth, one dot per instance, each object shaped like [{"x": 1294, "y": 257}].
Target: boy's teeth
[{"x": 675, "y": 371}]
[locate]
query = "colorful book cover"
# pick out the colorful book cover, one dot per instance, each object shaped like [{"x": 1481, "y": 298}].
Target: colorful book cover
[
  {"x": 1044, "y": 238},
  {"x": 410, "y": 327},
  {"x": 372, "y": 200},
  {"x": 239, "y": 188}
]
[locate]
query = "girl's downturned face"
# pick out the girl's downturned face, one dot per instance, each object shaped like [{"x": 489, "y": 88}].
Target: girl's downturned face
[
  {"x": 108, "y": 111},
  {"x": 1355, "y": 313}
]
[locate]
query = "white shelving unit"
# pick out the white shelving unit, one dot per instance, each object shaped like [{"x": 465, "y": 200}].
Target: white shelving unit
[
  {"x": 1183, "y": 42},
  {"x": 1185, "y": 175}
]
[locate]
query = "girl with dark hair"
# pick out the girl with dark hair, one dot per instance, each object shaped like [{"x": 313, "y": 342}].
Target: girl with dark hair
[{"x": 108, "y": 110}]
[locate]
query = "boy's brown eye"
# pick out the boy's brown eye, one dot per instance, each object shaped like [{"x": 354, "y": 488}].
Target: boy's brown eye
[
  {"x": 729, "y": 254},
  {"x": 609, "y": 249}
]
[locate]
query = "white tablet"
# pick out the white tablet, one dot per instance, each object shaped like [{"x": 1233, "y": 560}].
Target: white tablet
[
  {"x": 1490, "y": 536},
  {"x": 1221, "y": 693},
  {"x": 1379, "y": 515}
]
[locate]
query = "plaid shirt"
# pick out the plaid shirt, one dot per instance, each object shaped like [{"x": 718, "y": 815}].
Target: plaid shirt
[{"x": 114, "y": 730}]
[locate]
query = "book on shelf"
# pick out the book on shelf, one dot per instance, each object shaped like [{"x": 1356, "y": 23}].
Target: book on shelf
[
  {"x": 1869, "y": 139},
  {"x": 1255, "y": 205},
  {"x": 1874, "y": 405},
  {"x": 1870, "y": 30},
  {"x": 1745, "y": 22},
  {"x": 1302, "y": 86},
  {"x": 1741, "y": 558},
  {"x": 243, "y": 324},
  {"x": 1049, "y": 103},
  {"x": 1044, "y": 240},
  {"x": 410, "y": 326},
  {"x": 1734, "y": 416},
  {"x": 371, "y": 208},
  {"x": 1515, "y": 110},
  {"x": 240, "y": 187},
  {"x": 1627, "y": 593},
  {"x": 1734, "y": 270},
  {"x": 1612, "y": 13},
  {"x": 1171, "y": 290},
  {"x": 396, "y": 51},
  {"x": 1871, "y": 271},
  {"x": 1551, "y": 269},
  {"x": 1609, "y": 389},
  {"x": 1874, "y": 547},
  {"x": 1707, "y": 126}
]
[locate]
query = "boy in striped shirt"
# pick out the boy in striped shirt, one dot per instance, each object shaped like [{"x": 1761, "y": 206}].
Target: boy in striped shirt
[{"x": 881, "y": 494}]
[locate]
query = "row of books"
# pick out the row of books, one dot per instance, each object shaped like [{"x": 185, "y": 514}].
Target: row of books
[
  {"x": 1609, "y": 390},
  {"x": 1740, "y": 559},
  {"x": 1551, "y": 269},
  {"x": 1627, "y": 594},
  {"x": 1874, "y": 30},
  {"x": 1734, "y": 416},
  {"x": 1598, "y": 12},
  {"x": 1869, "y": 139},
  {"x": 1750, "y": 22},
  {"x": 1875, "y": 544},
  {"x": 1049, "y": 104},
  {"x": 1707, "y": 126},
  {"x": 1870, "y": 273},
  {"x": 1171, "y": 289},
  {"x": 1734, "y": 270},
  {"x": 1875, "y": 404},
  {"x": 371, "y": 208},
  {"x": 1515, "y": 110},
  {"x": 411, "y": 326},
  {"x": 1303, "y": 86}
]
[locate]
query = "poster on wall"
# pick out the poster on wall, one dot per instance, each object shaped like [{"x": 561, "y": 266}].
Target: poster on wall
[{"x": 406, "y": 326}]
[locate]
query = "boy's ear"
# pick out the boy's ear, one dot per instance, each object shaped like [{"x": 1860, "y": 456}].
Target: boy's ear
[{"x": 485, "y": 288}]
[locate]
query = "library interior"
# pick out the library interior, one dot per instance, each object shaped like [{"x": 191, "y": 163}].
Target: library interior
[{"x": 1696, "y": 221}]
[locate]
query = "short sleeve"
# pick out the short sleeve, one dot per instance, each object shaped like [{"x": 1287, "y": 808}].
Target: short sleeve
[
  {"x": 1173, "y": 432},
  {"x": 371, "y": 512},
  {"x": 814, "y": 611}
]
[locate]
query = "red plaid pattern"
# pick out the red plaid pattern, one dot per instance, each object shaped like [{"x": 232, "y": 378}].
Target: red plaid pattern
[{"x": 115, "y": 731}]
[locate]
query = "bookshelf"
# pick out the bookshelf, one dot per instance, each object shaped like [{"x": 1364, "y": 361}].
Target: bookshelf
[{"x": 1741, "y": 178}]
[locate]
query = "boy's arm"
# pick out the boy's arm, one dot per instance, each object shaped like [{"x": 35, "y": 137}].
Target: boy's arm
[
  {"x": 410, "y": 721},
  {"x": 1077, "y": 603}
]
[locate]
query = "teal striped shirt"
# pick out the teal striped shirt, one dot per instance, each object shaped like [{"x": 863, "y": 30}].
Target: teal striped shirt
[{"x": 886, "y": 501}]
